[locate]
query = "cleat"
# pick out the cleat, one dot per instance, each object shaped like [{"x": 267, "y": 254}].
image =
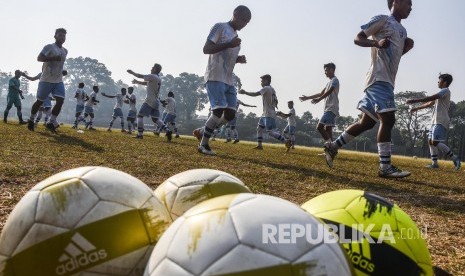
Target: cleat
[
  {"x": 123, "y": 130},
  {"x": 288, "y": 145},
  {"x": 393, "y": 172},
  {"x": 456, "y": 161},
  {"x": 156, "y": 133},
  {"x": 109, "y": 130},
  {"x": 258, "y": 148},
  {"x": 4, "y": 120},
  {"x": 87, "y": 125},
  {"x": 236, "y": 141},
  {"x": 433, "y": 166},
  {"x": 169, "y": 135},
  {"x": 50, "y": 126},
  {"x": 228, "y": 140},
  {"x": 205, "y": 149},
  {"x": 196, "y": 134},
  {"x": 212, "y": 139},
  {"x": 74, "y": 127},
  {"x": 20, "y": 122},
  {"x": 138, "y": 136},
  {"x": 177, "y": 136},
  {"x": 92, "y": 128},
  {"x": 30, "y": 125},
  {"x": 330, "y": 153}
]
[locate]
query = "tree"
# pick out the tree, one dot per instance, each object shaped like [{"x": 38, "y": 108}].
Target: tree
[{"x": 411, "y": 125}]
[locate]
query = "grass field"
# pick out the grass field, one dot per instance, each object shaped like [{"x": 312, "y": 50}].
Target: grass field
[{"x": 435, "y": 199}]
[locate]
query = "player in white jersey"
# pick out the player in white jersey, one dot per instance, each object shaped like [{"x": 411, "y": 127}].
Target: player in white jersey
[
  {"x": 169, "y": 114},
  {"x": 231, "y": 129},
  {"x": 81, "y": 97},
  {"x": 89, "y": 107},
  {"x": 388, "y": 43},
  {"x": 330, "y": 95},
  {"x": 222, "y": 47},
  {"x": 118, "y": 109},
  {"x": 440, "y": 121},
  {"x": 289, "y": 130},
  {"x": 132, "y": 113},
  {"x": 53, "y": 57},
  {"x": 267, "y": 121},
  {"x": 150, "y": 107}
]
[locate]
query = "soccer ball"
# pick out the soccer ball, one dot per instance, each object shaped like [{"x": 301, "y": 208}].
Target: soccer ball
[
  {"x": 89, "y": 220},
  {"x": 184, "y": 190},
  {"x": 378, "y": 236},
  {"x": 247, "y": 234}
]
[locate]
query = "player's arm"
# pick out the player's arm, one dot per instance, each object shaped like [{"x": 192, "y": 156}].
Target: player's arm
[
  {"x": 323, "y": 95},
  {"x": 428, "y": 102},
  {"x": 362, "y": 40},
  {"x": 134, "y": 81},
  {"x": 423, "y": 106},
  {"x": 252, "y": 94},
  {"x": 30, "y": 78},
  {"x": 305, "y": 98},
  {"x": 140, "y": 76},
  {"x": 108, "y": 96},
  {"x": 44, "y": 58},
  {"x": 244, "y": 104},
  {"x": 212, "y": 48},
  {"x": 408, "y": 45}
]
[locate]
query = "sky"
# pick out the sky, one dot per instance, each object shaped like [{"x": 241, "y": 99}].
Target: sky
[{"x": 290, "y": 40}]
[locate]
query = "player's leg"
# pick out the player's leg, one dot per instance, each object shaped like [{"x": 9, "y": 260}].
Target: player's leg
[
  {"x": 439, "y": 136},
  {"x": 9, "y": 105},
  {"x": 260, "y": 132}
]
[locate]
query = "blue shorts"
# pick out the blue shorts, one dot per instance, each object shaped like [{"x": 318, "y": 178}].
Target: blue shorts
[
  {"x": 169, "y": 118},
  {"x": 221, "y": 95},
  {"x": 146, "y": 111},
  {"x": 88, "y": 109},
  {"x": 328, "y": 119},
  {"x": 46, "y": 88},
  {"x": 47, "y": 103},
  {"x": 437, "y": 133},
  {"x": 289, "y": 129},
  {"x": 132, "y": 114},
  {"x": 79, "y": 108},
  {"x": 117, "y": 112},
  {"x": 379, "y": 98},
  {"x": 267, "y": 122}
]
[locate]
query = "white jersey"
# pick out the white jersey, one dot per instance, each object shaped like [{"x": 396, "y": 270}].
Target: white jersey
[
  {"x": 132, "y": 102},
  {"x": 332, "y": 101},
  {"x": 291, "y": 119},
  {"x": 90, "y": 102},
  {"x": 81, "y": 96},
  {"x": 441, "y": 109},
  {"x": 269, "y": 101},
  {"x": 221, "y": 65},
  {"x": 385, "y": 62},
  {"x": 153, "y": 89},
  {"x": 119, "y": 101},
  {"x": 52, "y": 70},
  {"x": 170, "y": 107}
]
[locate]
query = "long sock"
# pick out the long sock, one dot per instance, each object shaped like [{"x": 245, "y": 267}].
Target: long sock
[
  {"x": 276, "y": 135},
  {"x": 53, "y": 120},
  {"x": 210, "y": 125},
  {"x": 434, "y": 154},
  {"x": 20, "y": 115},
  {"x": 293, "y": 139},
  {"x": 129, "y": 126},
  {"x": 343, "y": 139},
  {"x": 445, "y": 149},
  {"x": 140, "y": 126},
  {"x": 111, "y": 122},
  {"x": 236, "y": 134},
  {"x": 122, "y": 123},
  {"x": 260, "y": 136},
  {"x": 38, "y": 117},
  {"x": 76, "y": 121},
  {"x": 91, "y": 122},
  {"x": 384, "y": 151}
]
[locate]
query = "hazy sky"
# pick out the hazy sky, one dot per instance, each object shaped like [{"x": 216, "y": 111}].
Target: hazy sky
[{"x": 291, "y": 40}]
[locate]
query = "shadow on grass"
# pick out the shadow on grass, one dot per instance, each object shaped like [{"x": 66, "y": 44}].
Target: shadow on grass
[
  {"x": 415, "y": 198},
  {"x": 64, "y": 139}
]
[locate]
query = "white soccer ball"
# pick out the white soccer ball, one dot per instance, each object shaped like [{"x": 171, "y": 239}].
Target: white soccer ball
[
  {"x": 86, "y": 221},
  {"x": 247, "y": 234},
  {"x": 184, "y": 190}
]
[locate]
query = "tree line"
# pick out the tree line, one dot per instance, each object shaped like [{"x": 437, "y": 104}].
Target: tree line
[{"x": 409, "y": 137}]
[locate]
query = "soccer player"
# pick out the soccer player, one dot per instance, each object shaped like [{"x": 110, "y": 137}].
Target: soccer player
[
  {"x": 330, "y": 95},
  {"x": 14, "y": 97},
  {"x": 53, "y": 57},
  {"x": 388, "y": 43},
  {"x": 231, "y": 125},
  {"x": 150, "y": 107},
  {"x": 132, "y": 113},
  {"x": 89, "y": 107},
  {"x": 222, "y": 46},
  {"x": 169, "y": 114},
  {"x": 289, "y": 130},
  {"x": 268, "y": 120},
  {"x": 440, "y": 121},
  {"x": 81, "y": 97},
  {"x": 117, "y": 110}
]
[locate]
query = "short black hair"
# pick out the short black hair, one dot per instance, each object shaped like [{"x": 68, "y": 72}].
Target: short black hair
[
  {"x": 266, "y": 77},
  {"x": 290, "y": 102},
  {"x": 60, "y": 30},
  {"x": 171, "y": 94},
  {"x": 447, "y": 78},
  {"x": 130, "y": 88},
  {"x": 242, "y": 9},
  {"x": 95, "y": 87},
  {"x": 81, "y": 85},
  {"x": 330, "y": 66},
  {"x": 390, "y": 3}
]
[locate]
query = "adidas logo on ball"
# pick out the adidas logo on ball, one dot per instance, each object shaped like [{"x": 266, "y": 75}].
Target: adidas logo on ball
[{"x": 79, "y": 253}]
